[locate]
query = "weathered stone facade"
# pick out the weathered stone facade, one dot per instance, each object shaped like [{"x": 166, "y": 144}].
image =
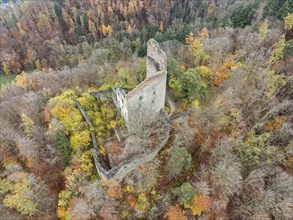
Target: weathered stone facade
[{"x": 142, "y": 105}]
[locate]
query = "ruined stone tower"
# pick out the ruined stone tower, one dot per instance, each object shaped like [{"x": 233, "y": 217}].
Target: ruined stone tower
[{"x": 142, "y": 105}]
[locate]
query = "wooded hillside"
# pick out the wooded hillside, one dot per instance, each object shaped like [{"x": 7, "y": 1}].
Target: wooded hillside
[
  {"x": 228, "y": 120},
  {"x": 43, "y": 34}
]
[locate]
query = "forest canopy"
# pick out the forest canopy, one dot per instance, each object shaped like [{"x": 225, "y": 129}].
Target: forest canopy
[{"x": 227, "y": 118}]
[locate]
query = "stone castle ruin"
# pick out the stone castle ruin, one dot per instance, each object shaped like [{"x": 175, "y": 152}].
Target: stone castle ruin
[{"x": 142, "y": 105}]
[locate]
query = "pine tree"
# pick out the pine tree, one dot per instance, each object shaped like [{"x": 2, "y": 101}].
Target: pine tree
[
  {"x": 58, "y": 11},
  {"x": 85, "y": 22},
  {"x": 78, "y": 26}
]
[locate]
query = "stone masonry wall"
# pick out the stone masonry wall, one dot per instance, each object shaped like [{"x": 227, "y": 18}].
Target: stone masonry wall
[
  {"x": 120, "y": 100},
  {"x": 146, "y": 102},
  {"x": 142, "y": 105}
]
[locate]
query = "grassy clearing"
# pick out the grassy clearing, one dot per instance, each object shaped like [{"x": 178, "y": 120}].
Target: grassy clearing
[{"x": 5, "y": 79}]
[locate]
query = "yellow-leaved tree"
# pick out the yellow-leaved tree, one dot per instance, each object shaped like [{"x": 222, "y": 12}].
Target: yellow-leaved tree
[
  {"x": 18, "y": 194},
  {"x": 288, "y": 21},
  {"x": 107, "y": 30},
  {"x": 278, "y": 50},
  {"x": 28, "y": 125},
  {"x": 195, "y": 45},
  {"x": 263, "y": 30},
  {"x": 22, "y": 80},
  {"x": 201, "y": 203},
  {"x": 189, "y": 39},
  {"x": 80, "y": 140}
]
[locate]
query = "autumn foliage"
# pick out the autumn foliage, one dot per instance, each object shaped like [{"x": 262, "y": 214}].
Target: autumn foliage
[
  {"x": 229, "y": 153},
  {"x": 175, "y": 212},
  {"x": 201, "y": 203},
  {"x": 114, "y": 190}
]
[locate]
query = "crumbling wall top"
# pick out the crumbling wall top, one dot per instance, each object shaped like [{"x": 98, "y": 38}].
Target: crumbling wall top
[
  {"x": 156, "y": 58},
  {"x": 143, "y": 84}
]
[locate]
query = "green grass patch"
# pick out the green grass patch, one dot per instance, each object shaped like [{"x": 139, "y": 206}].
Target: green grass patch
[{"x": 5, "y": 79}]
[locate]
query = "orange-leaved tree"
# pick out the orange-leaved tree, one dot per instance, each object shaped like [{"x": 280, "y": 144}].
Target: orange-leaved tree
[
  {"x": 175, "y": 212},
  {"x": 201, "y": 203}
]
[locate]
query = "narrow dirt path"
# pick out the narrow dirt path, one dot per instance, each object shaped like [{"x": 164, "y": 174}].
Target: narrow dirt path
[{"x": 171, "y": 104}]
